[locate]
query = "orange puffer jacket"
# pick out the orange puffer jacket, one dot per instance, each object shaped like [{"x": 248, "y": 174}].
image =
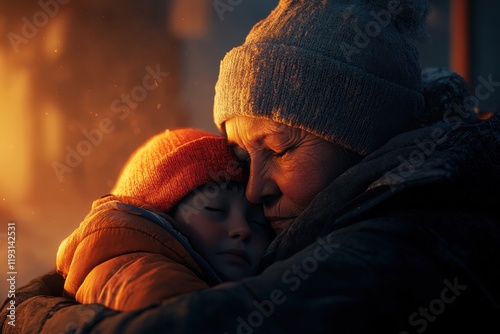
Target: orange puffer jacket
[{"x": 125, "y": 255}]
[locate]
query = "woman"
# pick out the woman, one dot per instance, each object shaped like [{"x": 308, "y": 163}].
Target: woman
[{"x": 386, "y": 222}]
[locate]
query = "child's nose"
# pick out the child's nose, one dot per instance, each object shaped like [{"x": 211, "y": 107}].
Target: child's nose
[{"x": 239, "y": 228}]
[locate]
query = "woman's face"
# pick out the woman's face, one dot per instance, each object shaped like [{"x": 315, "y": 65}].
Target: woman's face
[{"x": 288, "y": 166}]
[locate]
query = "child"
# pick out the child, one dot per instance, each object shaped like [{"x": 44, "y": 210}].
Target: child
[{"x": 177, "y": 221}]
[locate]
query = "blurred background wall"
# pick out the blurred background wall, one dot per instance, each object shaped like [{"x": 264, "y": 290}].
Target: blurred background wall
[{"x": 83, "y": 84}]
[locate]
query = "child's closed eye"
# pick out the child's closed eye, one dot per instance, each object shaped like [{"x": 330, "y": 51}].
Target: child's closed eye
[{"x": 213, "y": 209}]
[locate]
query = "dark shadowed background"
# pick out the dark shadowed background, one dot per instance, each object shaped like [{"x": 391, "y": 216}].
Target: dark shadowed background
[{"x": 83, "y": 84}]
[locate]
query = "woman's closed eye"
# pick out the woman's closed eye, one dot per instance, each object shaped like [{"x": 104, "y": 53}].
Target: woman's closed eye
[
  {"x": 279, "y": 150},
  {"x": 279, "y": 154}
]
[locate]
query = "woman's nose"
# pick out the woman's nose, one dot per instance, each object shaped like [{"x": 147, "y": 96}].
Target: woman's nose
[{"x": 261, "y": 186}]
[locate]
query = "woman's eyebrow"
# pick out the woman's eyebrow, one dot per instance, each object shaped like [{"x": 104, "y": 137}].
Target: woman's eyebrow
[{"x": 252, "y": 141}]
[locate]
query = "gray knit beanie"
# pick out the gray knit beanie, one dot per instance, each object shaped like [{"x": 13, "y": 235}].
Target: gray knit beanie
[{"x": 346, "y": 71}]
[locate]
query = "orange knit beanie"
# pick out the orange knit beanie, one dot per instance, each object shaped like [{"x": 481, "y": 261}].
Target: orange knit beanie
[{"x": 172, "y": 164}]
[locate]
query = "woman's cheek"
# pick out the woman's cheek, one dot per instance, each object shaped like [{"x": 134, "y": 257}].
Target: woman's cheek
[{"x": 297, "y": 184}]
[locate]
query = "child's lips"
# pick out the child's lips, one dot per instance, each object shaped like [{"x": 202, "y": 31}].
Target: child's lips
[{"x": 238, "y": 253}]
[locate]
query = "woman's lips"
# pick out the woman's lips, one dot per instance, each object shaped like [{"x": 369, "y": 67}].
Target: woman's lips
[{"x": 280, "y": 223}]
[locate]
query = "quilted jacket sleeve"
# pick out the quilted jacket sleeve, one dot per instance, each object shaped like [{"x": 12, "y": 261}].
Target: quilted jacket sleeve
[
  {"x": 132, "y": 281},
  {"x": 125, "y": 261}
]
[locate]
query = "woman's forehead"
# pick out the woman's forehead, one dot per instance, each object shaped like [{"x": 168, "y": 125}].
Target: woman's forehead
[{"x": 251, "y": 129}]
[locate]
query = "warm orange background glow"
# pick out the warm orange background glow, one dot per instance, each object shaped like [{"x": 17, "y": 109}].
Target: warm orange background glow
[{"x": 82, "y": 85}]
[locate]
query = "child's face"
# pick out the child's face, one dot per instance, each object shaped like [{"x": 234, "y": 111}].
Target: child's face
[{"x": 226, "y": 229}]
